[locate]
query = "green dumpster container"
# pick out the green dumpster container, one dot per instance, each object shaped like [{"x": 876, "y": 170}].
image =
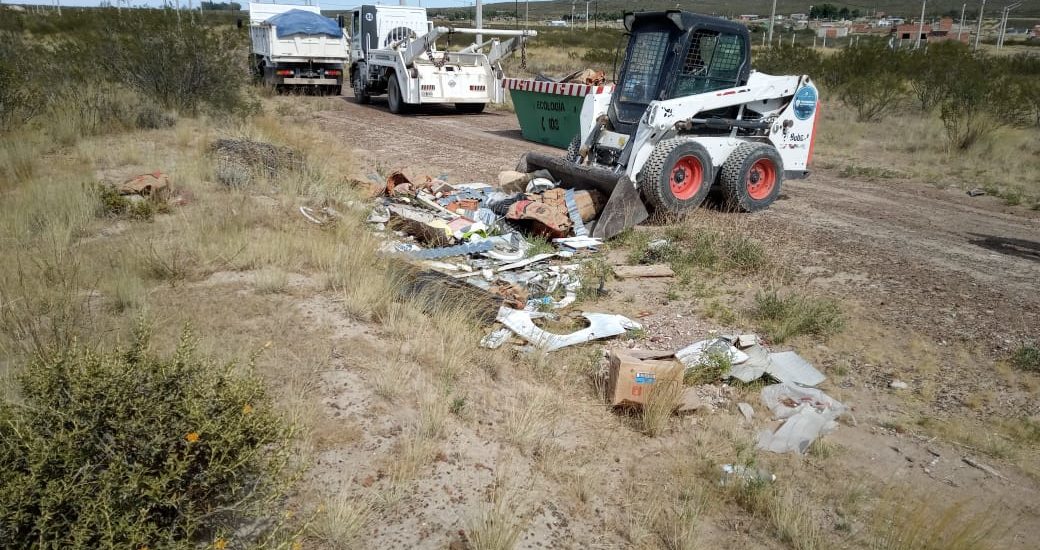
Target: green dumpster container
[{"x": 549, "y": 112}]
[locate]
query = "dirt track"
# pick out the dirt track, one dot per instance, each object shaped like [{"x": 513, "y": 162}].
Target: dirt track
[{"x": 952, "y": 266}]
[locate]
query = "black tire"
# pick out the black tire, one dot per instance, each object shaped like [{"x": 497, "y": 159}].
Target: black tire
[
  {"x": 677, "y": 176},
  {"x": 574, "y": 150},
  {"x": 394, "y": 99},
  {"x": 470, "y": 108},
  {"x": 752, "y": 176},
  {"x": 360, "y": 93}
]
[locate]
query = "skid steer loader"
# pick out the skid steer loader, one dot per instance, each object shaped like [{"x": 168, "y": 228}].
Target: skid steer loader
[{"x": 687, "y": 114}]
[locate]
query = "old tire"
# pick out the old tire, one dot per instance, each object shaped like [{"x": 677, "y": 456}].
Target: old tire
[
  {"x": 677, "y": 176},
  {"x": 752, "y": 176},
  {"x": 394, "y": 99},
  {"x": 470, "y": 108},
  {"x": 357, "y": 82},
  {"x": 574, "y": 150}
]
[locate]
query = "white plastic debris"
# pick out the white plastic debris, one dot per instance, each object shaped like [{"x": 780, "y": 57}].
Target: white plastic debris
[
  {"x": 746, "y": 410},
  {"x": 601, "y": 325},
  {"x": 695, "y": 353},
  {"x": 754, "y": 367},
  {"x": 749, "y": 475},
  {"x": 496, "y": 338},
  {"x": 808, "y": 413},
  {"x": 788, "y": 366}
]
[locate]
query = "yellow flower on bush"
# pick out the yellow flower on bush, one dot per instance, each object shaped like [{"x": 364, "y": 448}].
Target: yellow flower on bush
[
  {"x": 220, "y": 544},
  {"x": 247, "y": 408},
  {"x": 297, "y": 545},
  {"x": 192, "y": 437}
]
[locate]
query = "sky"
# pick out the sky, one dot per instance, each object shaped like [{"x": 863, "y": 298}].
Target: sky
[{"x": 325, "y": 4}]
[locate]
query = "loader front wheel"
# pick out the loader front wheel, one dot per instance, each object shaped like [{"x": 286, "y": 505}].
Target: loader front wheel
[
  {"x": 677, "y": 176},
  {"x": 752, "y": 176}
]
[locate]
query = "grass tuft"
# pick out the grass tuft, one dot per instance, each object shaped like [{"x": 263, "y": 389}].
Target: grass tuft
[
  {"x": 1026, "y": 358},
  {"x": 784, "y": 317},
  {"x": 661, "y": 401},
  {"x": 341, "y": 520}
]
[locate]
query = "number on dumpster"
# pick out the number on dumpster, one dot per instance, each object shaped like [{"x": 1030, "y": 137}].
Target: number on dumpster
[{"x": 554, "y": 123}]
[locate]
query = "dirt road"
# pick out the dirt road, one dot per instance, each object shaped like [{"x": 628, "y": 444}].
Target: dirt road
[{"x": 950, "y": 265}]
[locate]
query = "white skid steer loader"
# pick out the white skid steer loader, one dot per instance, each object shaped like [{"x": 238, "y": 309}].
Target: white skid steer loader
[{"x": 687, "y": 114}]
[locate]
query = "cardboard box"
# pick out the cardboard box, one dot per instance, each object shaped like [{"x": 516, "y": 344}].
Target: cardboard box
[{"x": 631, "y": 378}]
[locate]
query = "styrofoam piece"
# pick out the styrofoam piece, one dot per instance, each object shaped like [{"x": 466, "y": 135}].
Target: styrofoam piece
[{"x": 601, "y": 325}]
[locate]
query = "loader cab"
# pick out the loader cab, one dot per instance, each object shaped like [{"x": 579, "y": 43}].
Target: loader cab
[{"x": 675, "y": 54}]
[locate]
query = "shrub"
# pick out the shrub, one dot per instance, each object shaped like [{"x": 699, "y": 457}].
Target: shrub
[
  {"x": 129, "y": 449},
  {"x": 1027, "y": 358},
  {"x": 868, "y": 78},
  {"x": 928, "y": 71},
  {"x": 784, "y": 317},
  {"x": 113, "y": 205},
  {"x": 789, "y": 60}
]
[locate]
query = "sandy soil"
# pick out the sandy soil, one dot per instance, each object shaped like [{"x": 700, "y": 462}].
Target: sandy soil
[{"x": 932, "y": 276}]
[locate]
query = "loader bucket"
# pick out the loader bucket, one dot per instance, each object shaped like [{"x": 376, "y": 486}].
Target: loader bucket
[{"x": 624, "y": 207}]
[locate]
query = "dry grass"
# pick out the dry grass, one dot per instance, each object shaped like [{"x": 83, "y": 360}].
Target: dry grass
[
  {"x": 920, "y": 154},
  {"x": 656, "y": 414},
  {"x": 530, "y": 421},
  {"x": 903, "y": 522},
  {"x": 341, "y": 520}
]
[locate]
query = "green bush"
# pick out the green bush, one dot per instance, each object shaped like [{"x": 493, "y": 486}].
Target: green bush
[
  {"x": 788, "y": 59},
  {"x": 129, "y": 449},
  {"x": 1027, "y": 358},
  {"x": 113, "y": 205},
  {"x": 869, "y": 78}
]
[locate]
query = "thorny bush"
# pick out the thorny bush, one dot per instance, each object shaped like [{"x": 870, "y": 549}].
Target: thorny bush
[{"x": 130, "y": 449}]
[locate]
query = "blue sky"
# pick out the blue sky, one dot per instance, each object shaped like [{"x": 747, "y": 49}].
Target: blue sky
[{"x": 327, "y": 4}]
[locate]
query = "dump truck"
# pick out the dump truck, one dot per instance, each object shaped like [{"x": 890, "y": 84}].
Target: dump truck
[
  {"x": 686, "y": 116},
  {"x": 295, "y": 46},
  {"x": 394, "y": 52}
]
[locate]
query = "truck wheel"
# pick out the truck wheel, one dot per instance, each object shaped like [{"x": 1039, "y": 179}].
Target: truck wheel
[
  {"x": 752, "y": 176},
  {"x": 471, "y": 108},
  {"x": 677, "y": 176},
  {"x": 394, "y": 98},
  {"x": 360, "y": 93}
]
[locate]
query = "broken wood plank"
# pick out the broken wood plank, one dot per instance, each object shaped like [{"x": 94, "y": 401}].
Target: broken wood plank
[{"x": 635, "y": 271}]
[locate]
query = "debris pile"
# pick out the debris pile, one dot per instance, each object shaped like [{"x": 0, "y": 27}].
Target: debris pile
[
  {"x": 523, "y": 241},
  {"x": 805, "y": 411}
]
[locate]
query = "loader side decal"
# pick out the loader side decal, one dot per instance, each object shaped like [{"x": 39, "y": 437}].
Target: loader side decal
[{"x": 805, "y": 103}]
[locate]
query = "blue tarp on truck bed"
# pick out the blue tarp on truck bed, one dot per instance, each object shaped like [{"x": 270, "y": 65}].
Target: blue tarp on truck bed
[{"x": 304, "y": 22}]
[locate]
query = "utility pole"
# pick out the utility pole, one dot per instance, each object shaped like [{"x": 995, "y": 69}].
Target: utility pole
[
  {"x": 586, "y": 15},
  {"x": 961, "y": 27},
  {"x": 573, "y": 4},
  {"x": 1003, "y": 27},
  {"x": 920, "y": 26},
  {"x": 772, "y": 20},
  {"x": 978, "y": 31},
  {"x": 480, "y": 20}
]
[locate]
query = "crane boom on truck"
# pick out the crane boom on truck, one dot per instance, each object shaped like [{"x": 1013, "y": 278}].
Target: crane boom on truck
[
  {"x": 296, "y": 46},
  {"x": 394, "y": 52}
]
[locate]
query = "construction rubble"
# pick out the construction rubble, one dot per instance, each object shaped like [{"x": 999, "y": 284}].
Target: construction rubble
[{"x": 524, "y": 243}]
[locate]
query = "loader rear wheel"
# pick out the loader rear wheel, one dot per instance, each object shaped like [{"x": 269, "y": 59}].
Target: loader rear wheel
[
  {"x": 752, "y": 176},
  {"x": 393, "y": 97},
  {"x": 677, "y": 176},
  {"x": 470, "y": 108}
]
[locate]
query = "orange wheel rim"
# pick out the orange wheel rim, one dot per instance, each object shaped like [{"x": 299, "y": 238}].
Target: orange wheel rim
[
  {"x": 686, "y": 178},
  {"x": 761, "y": 179}
]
